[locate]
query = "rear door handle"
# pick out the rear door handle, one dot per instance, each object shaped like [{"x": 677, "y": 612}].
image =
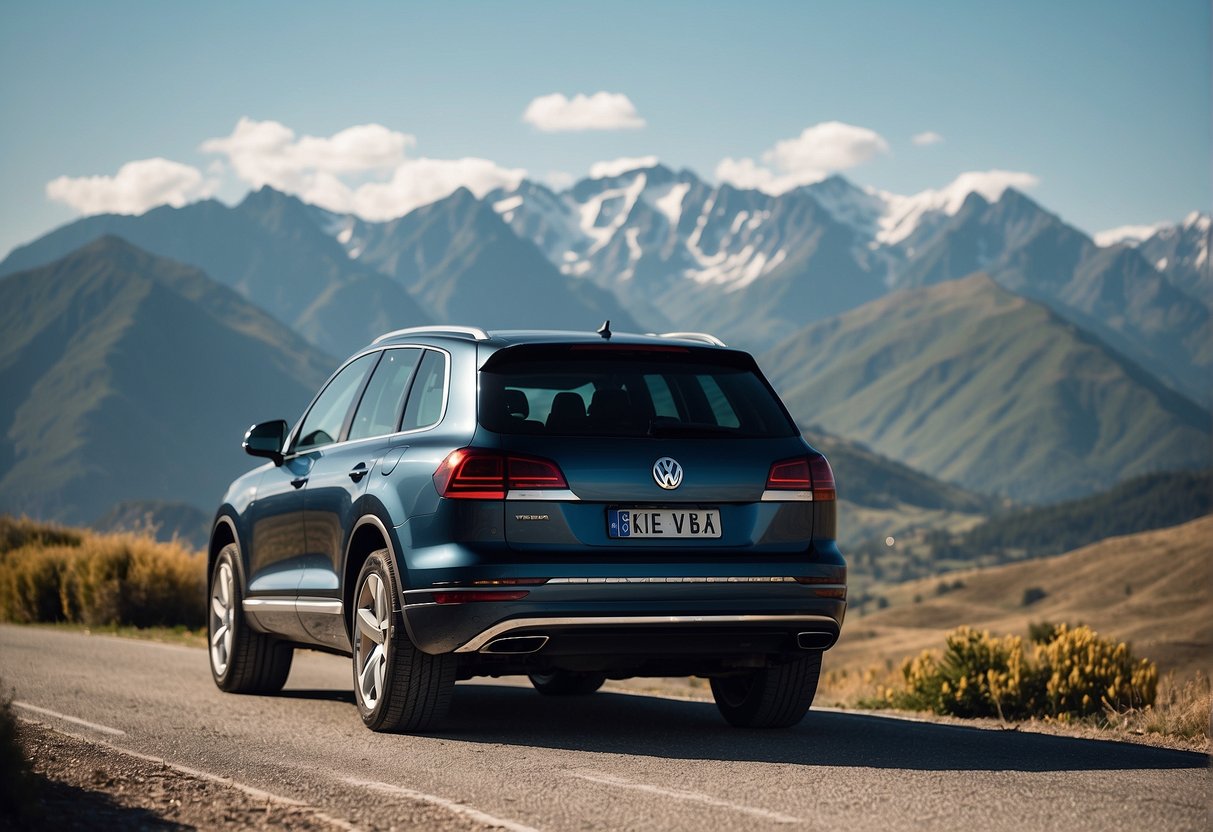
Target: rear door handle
[
  {"x": 360, "y": 471},
  {"x": 300, "y": 482}
]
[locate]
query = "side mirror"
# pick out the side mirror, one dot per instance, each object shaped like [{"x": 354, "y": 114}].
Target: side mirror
[{"x": 266, "y": 439}]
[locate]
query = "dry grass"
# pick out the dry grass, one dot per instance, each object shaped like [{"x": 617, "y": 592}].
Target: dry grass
[
  {"x": 1152, "y": 590},
  {"x": 49, "y": 574}
]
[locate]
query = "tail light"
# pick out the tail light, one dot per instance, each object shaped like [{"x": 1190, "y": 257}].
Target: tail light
[
  {"x": 480, "y": 474},
  {"x": 812, "y": 474}
]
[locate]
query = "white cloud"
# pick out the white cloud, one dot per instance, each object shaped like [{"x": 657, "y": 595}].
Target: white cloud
[
  {"x": 926, "y": 138},
  {"x": 817, "y": 152},
  {"x": 269, "y": 153},
  {"x": 601, "y": 111},
  {"x": 312, "y": 168},
  {"x": 620, "y": 166},
  {"x": 1128, "y": 234},
  {"x": 419, "y": 182},
  {"x": 826, "y": 147},
  {"x": 743, "y": 173},
  {"x": 558, "y": 180},
  {"x": 137, "y": 187}
]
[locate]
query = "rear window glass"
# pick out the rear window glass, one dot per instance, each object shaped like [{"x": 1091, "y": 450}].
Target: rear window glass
[{"x": 609, "y": 393}]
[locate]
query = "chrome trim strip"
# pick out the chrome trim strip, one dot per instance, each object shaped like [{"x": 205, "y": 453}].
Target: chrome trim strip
[
  {"x": 327, "y": 606},
  {"x": 787, "y": 496},
  {"x": 268, "y": 604},
  {"x": 553, "y": 495},
  {"x": 636, "y": 620}
]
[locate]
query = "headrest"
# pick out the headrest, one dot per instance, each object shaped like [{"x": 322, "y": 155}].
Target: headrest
[{"x": 516, "y": 404}]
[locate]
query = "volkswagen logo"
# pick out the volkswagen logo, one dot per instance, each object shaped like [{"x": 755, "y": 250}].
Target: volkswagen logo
[{"x": 668, "y": 473}]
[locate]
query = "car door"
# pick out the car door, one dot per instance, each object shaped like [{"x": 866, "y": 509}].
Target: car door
[
  {"x": 338, "y": 477},
  {"x": 281, "y": 553}
]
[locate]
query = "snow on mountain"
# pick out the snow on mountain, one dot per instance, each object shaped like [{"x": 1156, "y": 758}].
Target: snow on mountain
[
  {"x": 1129, "y": 235},
  {"x": 1181, "y": 252}
]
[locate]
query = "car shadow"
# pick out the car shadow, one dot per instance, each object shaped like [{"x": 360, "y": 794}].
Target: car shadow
[
  {"x": 346, "y": 696},
  {"x": 673, "y": 729}
]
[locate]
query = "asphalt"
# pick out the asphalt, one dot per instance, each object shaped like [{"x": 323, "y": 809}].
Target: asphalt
[{"x": 508, "y": 757}]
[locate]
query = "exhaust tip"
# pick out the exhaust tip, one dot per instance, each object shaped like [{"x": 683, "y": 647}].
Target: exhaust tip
[
  {"x": 515, "y": 645},
  {"x": 815, "y": 641}
]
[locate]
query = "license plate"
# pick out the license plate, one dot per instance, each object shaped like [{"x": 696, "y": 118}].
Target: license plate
[{"x": 663, "y": 522}]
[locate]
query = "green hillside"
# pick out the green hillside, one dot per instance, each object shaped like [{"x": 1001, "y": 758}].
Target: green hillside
[
  {"x": 1152, "y": 501},
  {"x": 130, "y": 377},
  {"x": 977, "y": 386}
]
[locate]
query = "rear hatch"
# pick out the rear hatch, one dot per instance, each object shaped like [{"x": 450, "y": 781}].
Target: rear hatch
[{"x": 644, "y": 450}]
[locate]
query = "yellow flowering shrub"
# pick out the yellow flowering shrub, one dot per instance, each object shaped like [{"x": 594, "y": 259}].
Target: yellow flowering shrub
[{"x": 1074, "y": 673}]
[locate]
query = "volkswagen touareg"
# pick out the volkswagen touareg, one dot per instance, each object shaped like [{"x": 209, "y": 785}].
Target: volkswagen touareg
[{"x": 572, "y": 507}]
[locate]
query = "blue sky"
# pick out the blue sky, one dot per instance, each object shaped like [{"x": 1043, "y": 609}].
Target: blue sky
[{"x": 1106, "y": 104}]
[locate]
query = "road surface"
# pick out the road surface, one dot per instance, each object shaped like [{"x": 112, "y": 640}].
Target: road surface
[{"x": 513, "y": 759}]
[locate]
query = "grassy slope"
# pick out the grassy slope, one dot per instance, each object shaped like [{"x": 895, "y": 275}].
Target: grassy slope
[
  {"x": 977, "y": 386},
  {"x": 128, "y": 376},
  {"x": 1151, "y": 589}
]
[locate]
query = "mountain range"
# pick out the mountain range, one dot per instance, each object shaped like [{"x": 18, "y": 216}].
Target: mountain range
[
  {"x": 1066, "y": 367},
  {"x": 976, "y": 385},
  {"x": 128, "y": 376}
]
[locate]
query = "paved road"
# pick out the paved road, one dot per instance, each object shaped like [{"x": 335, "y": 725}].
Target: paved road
[{"x": 609, "y": 761}]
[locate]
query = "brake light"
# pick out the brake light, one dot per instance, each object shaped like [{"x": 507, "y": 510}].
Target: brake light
[
  {"x": 812, "y": 474},
  {"x": 790, "y": 475},
  {"x": 823, "y": 478},
  {"x": 481, "y": 474}
]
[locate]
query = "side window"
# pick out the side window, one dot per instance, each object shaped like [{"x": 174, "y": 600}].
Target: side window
[
  {"x": 324, "y": 421},
  {"x": 379, "y": 410},
  {"x": 424, "y": 407}
]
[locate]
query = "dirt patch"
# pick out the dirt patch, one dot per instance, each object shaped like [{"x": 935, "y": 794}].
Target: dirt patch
[{"x": 85, "y": 786}]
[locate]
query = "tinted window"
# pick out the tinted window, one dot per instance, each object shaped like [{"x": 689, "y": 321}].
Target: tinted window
[
  {"x": 564, "y": 392},
  {"x": 379, "y": 411},
  {"x": 324, "y": 421},
  {"x": 428, "y": 393}
]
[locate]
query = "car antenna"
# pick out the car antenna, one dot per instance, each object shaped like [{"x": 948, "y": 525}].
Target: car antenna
[{"x": 605, "y": 330}]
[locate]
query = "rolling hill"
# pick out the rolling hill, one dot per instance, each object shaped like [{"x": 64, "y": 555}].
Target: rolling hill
[
  {"x": 131, "y": 377},
  {"x": 1152, "y": 589},
  {"x": 981, "y": 387}
]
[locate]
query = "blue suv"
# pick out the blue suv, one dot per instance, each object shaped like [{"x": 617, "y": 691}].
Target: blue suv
[{"x": 567, "y": 506}]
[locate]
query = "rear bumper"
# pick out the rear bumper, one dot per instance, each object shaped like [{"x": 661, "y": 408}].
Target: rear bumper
[{"x": 640, "y": 617}]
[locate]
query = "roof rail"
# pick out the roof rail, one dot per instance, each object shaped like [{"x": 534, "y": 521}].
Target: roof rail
[
  {"x": 475, "y": 333},
  {"x": 693, "y": 336}
]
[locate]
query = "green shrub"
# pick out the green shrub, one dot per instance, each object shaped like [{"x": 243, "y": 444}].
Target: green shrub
[
  {"x": 105, "y": 579},
  {"x": 1073, "y": 673}
]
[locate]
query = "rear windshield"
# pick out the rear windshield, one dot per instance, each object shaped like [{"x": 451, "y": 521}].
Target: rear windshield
[{"x": 628, "y": 393}]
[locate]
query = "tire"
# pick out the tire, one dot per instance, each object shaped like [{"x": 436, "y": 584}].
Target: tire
[
  {"x": 396, "y": 686},
  {"x": 566, "y": 683},
  {"x": 771, "y": 697},
  {"x": 242, "y": 660}
]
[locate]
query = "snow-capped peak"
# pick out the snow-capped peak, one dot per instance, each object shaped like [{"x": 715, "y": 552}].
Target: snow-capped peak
[
  {"x": 904, "y": 213},
  {"x": 1198, "y": 221},
  {"x": 1129, "y": 235}
]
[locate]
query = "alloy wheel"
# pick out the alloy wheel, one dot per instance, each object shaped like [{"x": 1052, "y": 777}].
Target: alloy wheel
[
  {"x": 373, "y": 614},
  {"x": 223, "y": 594}
]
